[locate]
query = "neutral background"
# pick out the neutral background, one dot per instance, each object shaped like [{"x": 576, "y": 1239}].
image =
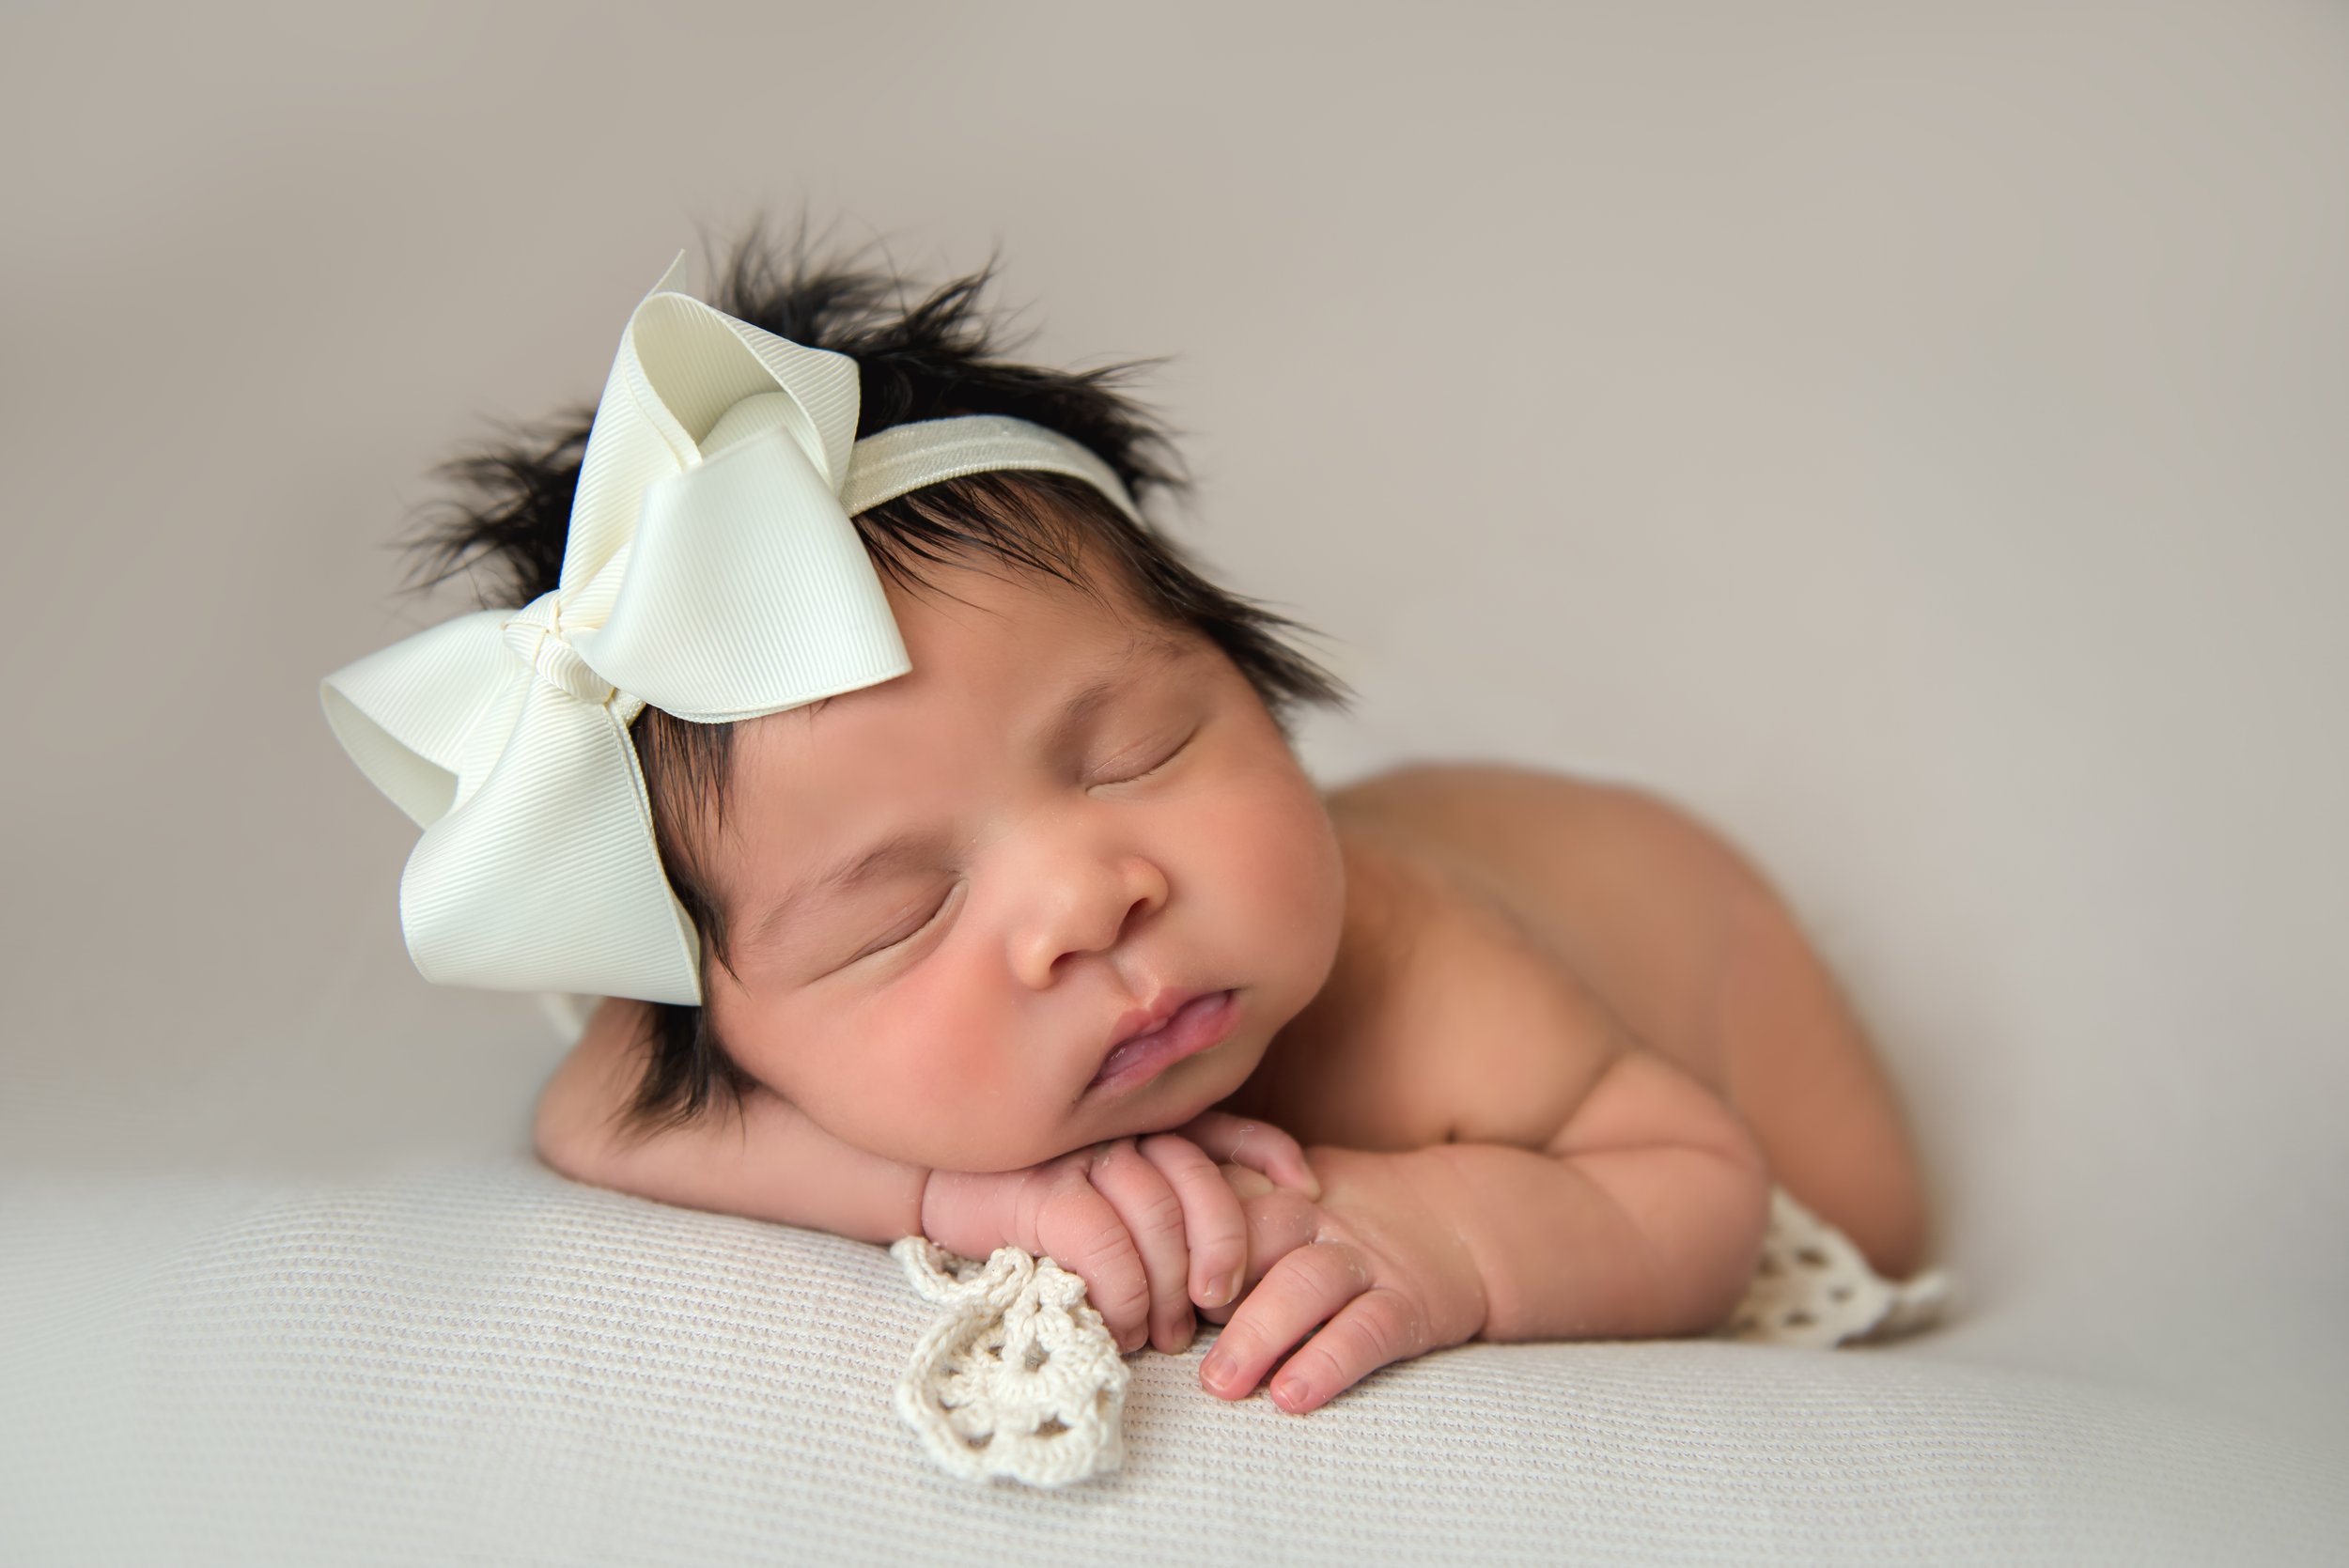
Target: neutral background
[{"x": 1911, "y": 436}]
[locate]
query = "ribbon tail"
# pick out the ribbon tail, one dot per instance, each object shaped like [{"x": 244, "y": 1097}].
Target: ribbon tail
[{"x": 495, "y": 893}]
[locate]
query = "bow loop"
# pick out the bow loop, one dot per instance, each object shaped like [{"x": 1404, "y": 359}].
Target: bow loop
[
  {"x": 717, "y": 587},
  {"x": 711, "y": 571},
  {"x": 680, "y": 367}
]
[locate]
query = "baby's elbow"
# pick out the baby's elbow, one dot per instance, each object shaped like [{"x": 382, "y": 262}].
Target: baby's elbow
[
  {"x": 1725, "y": 1197},
  {"x": 583, "y": 1110},
  {"x": 556, "y": 1134},
  {"x": 1731, "y": 1201},
  {"x": 570, "y": 1131}
]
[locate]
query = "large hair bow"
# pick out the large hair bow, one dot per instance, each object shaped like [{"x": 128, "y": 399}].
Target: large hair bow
[{"x": 712, "y": 571}]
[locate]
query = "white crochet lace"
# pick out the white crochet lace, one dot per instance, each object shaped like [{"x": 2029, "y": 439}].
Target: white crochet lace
[
  {"x": 1812, "y": 1287},
  {"x": 1020, "y": 1377}
]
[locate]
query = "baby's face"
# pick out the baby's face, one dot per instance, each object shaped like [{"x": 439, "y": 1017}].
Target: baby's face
[{"x": 1057, "y": 866}]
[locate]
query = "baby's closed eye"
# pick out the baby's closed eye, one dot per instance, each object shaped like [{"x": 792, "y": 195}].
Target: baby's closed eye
[
  {"x": 1164, "y": 756},
  {"x": 903, "y": 934}
]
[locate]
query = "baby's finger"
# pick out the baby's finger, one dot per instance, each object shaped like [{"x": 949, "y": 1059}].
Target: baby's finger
[
  {"x": 1080, "y": 1230},
  {"x": 1259, "y": 1145},
  {"x": 1304, "y": 1289},
  {"x": 1376, "y": 1327},
  {"x": 1277, "y": 1220},
  {"x": 1153, "y": 1216},
  {"x": 1214, "y": 1229}
]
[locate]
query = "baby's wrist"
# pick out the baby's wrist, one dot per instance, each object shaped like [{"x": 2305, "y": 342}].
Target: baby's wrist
[
  {"x": 922, "y": 1204},
  {"x": 956, "y": 1212}
]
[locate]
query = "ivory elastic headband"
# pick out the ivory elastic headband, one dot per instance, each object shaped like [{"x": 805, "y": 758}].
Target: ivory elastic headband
[{"x": 710, "y": 571}]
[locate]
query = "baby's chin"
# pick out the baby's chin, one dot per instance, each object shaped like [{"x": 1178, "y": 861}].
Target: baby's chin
[
  {"x": 1187, "y": 1090},
  {"x": 1175, "y": 1104}
]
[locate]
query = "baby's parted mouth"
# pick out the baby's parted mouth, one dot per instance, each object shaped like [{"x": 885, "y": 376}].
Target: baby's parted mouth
[{"x": 1199, "y": 1022}]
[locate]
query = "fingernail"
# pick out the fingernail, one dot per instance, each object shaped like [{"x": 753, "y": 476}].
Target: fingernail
[
  {"x": 1224, "y": 1291},
  {"x": 1216, "y": 1371},
  {"x": 1291, "y": 1393}
]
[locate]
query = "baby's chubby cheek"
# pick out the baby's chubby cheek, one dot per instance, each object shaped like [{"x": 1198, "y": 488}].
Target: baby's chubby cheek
[
  {"x": 954, "y": 1080},
  {"x": 1279, "y": 886},
  {"x": 920, "y": 1077},
  {"x": 976, "y": 1112}
]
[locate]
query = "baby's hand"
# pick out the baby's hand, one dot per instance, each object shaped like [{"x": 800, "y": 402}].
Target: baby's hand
[
  {"x": 1370, "y": 1272},
  {"x": 1151, "y": 1225}
]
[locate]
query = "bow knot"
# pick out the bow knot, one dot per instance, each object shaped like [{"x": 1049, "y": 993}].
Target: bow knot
[
  {"x": 710, "y": 569},
  {"x": 714, "y": 585},
  {"x": 535, "y": 635}
]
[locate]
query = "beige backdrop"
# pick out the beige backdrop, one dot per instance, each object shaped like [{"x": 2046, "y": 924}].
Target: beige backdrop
[{"x": 1911, "y": 436}]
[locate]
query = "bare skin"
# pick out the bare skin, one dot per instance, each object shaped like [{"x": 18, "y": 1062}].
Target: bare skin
[
  {"x": 1522, "y": 917},
  {"x": 1516, "y": 1056},
  {"x": 1510, "y": 937}
]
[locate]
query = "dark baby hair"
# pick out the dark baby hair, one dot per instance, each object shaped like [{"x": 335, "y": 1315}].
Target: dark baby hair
[{"x": 934, "y": 358}]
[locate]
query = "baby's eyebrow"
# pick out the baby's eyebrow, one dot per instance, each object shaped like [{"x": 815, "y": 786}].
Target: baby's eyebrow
[
  {"x": 1149, "y": 651},
  {"x": 844, "y": 876}
]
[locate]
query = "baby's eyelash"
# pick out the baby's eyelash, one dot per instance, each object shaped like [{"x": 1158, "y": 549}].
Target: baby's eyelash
[
  {"x": 1170, "y": 756},
  {"x": 930, "y": 921},
  {"x": 932, "y": 918}
]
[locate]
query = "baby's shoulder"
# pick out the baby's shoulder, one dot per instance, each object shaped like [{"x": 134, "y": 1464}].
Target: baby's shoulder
[
  {"x": 1629, "y": 890},
  {"x": 1505, "y": 816},
  {"x": 1441, "y": 791},
  {"x": 1450, "y": 1014}
]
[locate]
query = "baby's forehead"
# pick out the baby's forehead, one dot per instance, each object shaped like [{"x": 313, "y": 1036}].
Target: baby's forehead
[
  {"x": 981, "y": 676},
  {"x": 919, "y": 747}
]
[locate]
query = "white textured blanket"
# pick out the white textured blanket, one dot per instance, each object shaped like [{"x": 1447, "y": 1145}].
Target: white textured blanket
[{"x": 482, "y": 1363}]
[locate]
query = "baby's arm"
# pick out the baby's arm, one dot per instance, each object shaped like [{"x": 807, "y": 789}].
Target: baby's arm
[
  {"x": 769, "y": 1162},
  {"x": 1150, "y": 1224},
  {"x": 1644, "y": 1217}
]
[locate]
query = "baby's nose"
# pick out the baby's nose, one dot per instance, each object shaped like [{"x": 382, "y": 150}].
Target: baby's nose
[{"x": 1093, "y": 911}]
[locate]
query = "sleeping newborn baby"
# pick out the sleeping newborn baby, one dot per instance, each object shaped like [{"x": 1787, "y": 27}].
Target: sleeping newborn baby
[{"x": 1049, "y": 942}]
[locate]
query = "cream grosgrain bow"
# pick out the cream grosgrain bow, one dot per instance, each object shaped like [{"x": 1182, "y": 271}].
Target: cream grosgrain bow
[{"x": 710, "y": 571}]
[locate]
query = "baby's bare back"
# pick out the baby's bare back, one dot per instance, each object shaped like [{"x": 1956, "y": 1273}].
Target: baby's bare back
[{"x": 1509, "y": 933}]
